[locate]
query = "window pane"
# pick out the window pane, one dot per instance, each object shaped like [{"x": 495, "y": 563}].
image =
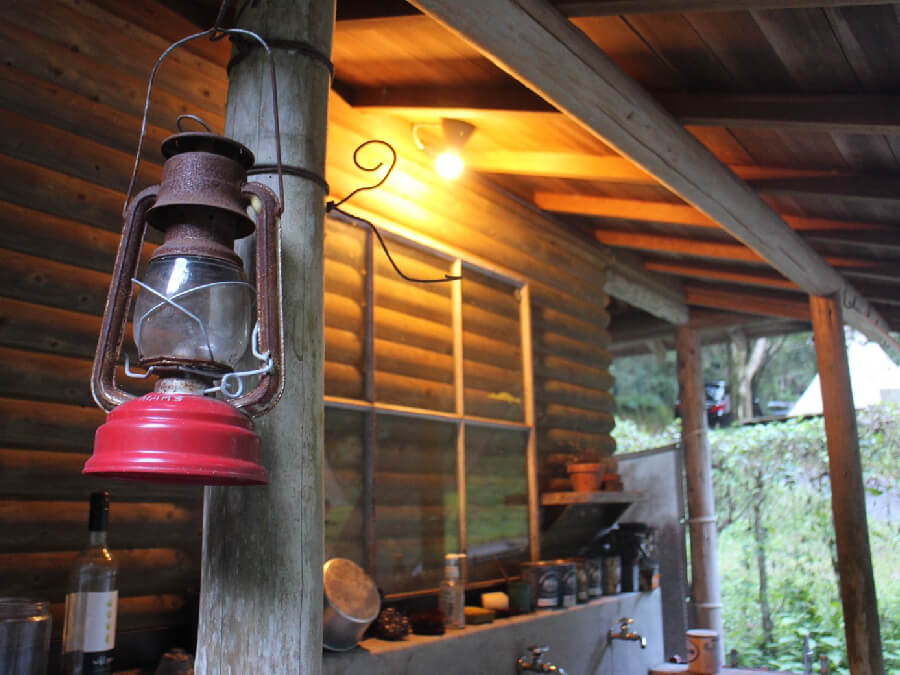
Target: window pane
[
  {"x": 492, "y": 348},
  {"x": 416, "y": 502},
  {"x": 413, "y": 331},
  {"x": 345, "y": 274},
  {"x": 343, "y": 473},
  {"x": 496, "y": 500}
]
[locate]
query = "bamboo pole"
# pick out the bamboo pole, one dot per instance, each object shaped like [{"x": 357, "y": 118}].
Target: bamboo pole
[
  {"x": 705, "y": 593},
  {"x": 848, "y": 501},
  {"x": 261, "y": 598}
]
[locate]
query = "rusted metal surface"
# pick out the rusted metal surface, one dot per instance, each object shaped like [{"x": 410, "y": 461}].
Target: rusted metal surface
[
  {"x": 106, "y": 393},
  {"x": 201, "y": 206}
]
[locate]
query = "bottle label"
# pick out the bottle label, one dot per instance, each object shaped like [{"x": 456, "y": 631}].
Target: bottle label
[{"x": 98, "y": 610}]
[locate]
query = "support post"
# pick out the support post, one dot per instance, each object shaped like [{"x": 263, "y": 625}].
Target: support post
[
  {"x": 705, "y": 593},
  {"x": 261, "y": 595},
  {"x": 848, "y": 503}
]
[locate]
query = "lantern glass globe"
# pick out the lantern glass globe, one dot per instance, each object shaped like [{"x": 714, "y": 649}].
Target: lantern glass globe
[
  {"x": 449, "y": 165},
  {"x": 200, "y": 312}
]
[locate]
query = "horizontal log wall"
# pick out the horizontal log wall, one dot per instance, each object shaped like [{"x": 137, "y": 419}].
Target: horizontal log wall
[
  {"x": 415, "y": 489},
  {"x": 71, "y": 95}
]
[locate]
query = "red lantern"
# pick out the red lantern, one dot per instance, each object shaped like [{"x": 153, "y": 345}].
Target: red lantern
[{"x": 192, "y": 322}]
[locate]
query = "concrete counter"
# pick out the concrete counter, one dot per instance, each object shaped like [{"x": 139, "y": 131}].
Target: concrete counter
[{"x": 576, "y": 637}]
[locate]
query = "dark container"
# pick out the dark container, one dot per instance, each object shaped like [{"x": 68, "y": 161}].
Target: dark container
[
  {"x": 568, "y": 582},
  {"x": 543, "y": 577}
]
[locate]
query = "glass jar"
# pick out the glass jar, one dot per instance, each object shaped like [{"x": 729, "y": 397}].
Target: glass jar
[{"x": 24, "y": 636}]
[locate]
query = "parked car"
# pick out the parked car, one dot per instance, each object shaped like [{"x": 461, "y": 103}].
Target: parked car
[{"x": 718, "y": 404}]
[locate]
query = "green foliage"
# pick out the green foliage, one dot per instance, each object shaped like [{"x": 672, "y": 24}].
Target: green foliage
[
  {"x": 645, "y": 389},
  {"x": 631, "y": 436},
  {"x": 789, "y": 460}
]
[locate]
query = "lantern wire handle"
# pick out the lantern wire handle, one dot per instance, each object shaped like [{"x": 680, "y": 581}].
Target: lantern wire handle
[
  {"x": 335, "y": 206},
  {"x": 214, "y": 33}
]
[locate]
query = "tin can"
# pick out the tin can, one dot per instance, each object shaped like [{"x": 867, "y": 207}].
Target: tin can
[
  {"x": 581, "y": 577},
  {"x": 543, "y": 577},
  {"x": 568, "y": 582},
  {"x": 612, "y": 574},
  {"x": 594, "y": 569}
]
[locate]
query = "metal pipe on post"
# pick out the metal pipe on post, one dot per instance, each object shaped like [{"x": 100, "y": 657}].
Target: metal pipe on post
[
  {"x": 705, "y": 594},
  {"x": 848, "y": 503},
  {"x": 261, "y": 596}
]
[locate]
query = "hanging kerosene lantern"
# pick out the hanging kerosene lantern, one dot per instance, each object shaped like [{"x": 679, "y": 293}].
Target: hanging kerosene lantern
[{"x": 193, "y": 317}]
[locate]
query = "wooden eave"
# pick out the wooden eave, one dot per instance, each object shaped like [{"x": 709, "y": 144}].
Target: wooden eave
[{"x": 795, "y": 97}]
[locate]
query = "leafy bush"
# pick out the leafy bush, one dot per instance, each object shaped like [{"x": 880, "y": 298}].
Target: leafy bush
[{"x": 773, "y": 497}]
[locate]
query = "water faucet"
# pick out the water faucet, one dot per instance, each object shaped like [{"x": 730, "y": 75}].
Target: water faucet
[
  {"x": 537, "y": 665},
  {"x": 626, "y": 634}
]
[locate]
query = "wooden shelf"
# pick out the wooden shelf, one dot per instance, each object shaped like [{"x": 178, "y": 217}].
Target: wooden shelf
[{"x": 569, "y": 498}]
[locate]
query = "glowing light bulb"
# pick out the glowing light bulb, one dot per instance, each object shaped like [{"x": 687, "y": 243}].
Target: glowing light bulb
[{"x": 449, "y": 165}]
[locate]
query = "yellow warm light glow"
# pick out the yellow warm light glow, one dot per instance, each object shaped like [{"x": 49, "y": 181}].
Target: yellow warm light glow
[{"x": 449, "y": 165}]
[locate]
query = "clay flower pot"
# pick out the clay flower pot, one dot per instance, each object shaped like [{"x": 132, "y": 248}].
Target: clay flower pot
[{"x": 586, "y": 476}]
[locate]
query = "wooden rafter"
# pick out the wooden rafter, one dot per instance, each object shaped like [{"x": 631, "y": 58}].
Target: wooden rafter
[
  {"x": 607, "y": 168},
  {"x": 680, "y": 214},
  {"x": 856, "y": 114},
  {"x": 752, "y": 277},
  {"x": 388, "y": 10},
  {"x": 717, "y": 250},
  {"x": 619, "y": 7},
  {"x": 736, "y": 299}
]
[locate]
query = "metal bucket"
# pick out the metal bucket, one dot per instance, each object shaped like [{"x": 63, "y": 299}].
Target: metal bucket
[{"x": 351, "y": 604}]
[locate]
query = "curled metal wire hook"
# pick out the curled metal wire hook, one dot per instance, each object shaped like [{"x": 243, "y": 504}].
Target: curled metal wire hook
[
  {"x": 335, "y": 206},
  {"x": 363, "y": 167}
]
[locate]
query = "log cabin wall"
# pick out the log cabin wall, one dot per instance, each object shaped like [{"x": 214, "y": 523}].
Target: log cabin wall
[
  {"x": 72, "y": 89},
  {"x": 72, "y": 86}
]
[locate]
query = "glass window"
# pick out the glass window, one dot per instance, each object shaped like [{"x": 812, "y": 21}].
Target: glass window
[
  {"x": 416, "y": 501},
  {"x": 496, "y": 500}
]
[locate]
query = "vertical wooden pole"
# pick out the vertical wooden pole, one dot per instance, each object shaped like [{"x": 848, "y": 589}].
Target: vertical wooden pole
[
  {"x": 705, "y": 593},
  {"x": 460, "y": 407},
  {"x": 368, "y": 495},
  {"x": 261, "y": 595},
  {"x": 531, "y": 458},
  {"x": 848, "y": 502}
]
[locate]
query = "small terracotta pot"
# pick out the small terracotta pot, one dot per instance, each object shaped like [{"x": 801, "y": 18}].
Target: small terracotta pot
[{"x": 586, "y": 476}]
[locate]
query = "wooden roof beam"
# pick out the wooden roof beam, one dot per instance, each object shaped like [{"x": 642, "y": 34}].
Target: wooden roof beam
[
  {"x": 535, "y": 43},
  {"x": 736, "y": 299},
  {"x": 742, "y": 275},
  {"x": 607, "y": 168},
  {"x": 716, "y": 250},
  {"x": 855, "y": 114},
  {"x": 681, "y": 214},
  {"x": 386, "y": 10}
]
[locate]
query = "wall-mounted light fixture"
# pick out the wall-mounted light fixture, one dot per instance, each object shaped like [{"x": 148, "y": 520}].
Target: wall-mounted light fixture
[{"x": 448, "y": 161}]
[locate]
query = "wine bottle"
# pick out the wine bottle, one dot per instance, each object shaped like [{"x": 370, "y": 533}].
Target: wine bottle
[{"x": 90, "y": 623}]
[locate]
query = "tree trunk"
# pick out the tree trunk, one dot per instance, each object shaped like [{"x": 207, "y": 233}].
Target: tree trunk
[
  {"x": 745, "y": 361},
  {"x": 760, "y": 535}
]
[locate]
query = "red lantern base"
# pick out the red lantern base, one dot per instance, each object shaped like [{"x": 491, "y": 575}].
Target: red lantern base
[{"x": 178, "y": 438}]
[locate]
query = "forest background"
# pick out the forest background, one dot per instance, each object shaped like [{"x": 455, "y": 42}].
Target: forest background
[{"x": 776, "y": 541}]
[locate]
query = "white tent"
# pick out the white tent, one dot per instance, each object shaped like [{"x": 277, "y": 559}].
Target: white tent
[{"x": 874, "y": 378}]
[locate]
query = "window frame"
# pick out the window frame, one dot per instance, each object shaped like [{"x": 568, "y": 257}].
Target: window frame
[{"x": 369, "y": 404}]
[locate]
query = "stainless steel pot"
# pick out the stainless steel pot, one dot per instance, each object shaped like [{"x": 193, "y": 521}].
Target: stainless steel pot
[{"x": 351, "y": 604}]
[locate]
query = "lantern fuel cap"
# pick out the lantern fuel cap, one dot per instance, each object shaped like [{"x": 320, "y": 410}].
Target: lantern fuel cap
[{"x": 180, "y": 438}]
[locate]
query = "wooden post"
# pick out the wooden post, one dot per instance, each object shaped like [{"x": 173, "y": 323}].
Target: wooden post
[
  {"x": 261, "y": 596},
  {"x": 848, "y": 502},
  {"x": 705, "y": 593}
]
